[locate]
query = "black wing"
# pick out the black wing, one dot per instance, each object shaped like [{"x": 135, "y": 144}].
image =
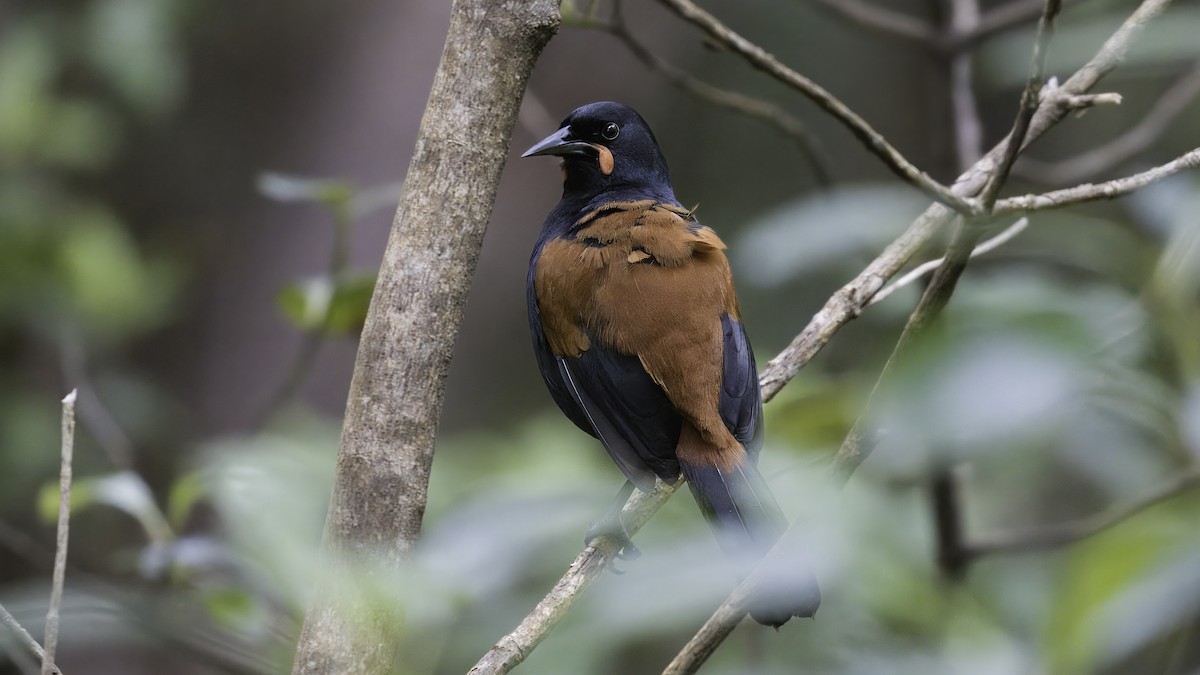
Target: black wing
[
  {"x": 628, "y": 411},
  {"x": 741, "y": 401}
]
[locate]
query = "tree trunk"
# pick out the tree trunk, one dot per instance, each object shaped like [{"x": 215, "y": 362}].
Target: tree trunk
[{"x": 396, "y": 393}]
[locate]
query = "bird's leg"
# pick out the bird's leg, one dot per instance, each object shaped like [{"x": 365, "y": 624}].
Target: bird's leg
[{"x": 610, "y": 524}]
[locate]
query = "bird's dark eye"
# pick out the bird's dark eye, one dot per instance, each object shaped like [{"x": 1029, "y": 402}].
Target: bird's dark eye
[{"x": 610, "y": 131}]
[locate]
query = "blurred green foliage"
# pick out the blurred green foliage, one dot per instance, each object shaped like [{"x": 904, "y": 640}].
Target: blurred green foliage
[{"x": 1065, "y": 377}]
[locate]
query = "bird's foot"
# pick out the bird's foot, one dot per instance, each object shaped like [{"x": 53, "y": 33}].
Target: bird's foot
[{"x": 611, "y": 526}]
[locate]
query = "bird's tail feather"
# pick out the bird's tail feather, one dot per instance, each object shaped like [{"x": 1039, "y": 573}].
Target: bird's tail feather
[{"x": 747, "y": 522}]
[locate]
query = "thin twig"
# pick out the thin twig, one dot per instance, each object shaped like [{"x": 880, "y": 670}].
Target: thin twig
[
  {"x": 881, "y": 20},
  {"x": 64, "y": 522},
  {"x": 96, "y": 418},
  {"x": 937, "y": 294},
  {"x": 872, "y": 139},
  {"x": 1126, "y": 146},
  {"x": 1089, "y": 192},
  {"x": 512, "y": 649},
  {"x": 1006, "y": 235},
  {"x": 754, "y": 108},
  {"x": 1055, "y": 536},
  {"x": 1000, "y": 19},
  {"x": 23, "y": 635},
  {"x": 1030, "y": 102},
  {"x": 315, "y": 338}
]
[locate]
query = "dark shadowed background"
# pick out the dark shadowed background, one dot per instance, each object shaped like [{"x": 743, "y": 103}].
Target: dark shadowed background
[{"x": 174, "y": 175}]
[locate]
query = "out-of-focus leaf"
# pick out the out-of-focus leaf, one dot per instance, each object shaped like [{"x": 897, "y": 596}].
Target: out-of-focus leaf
[
  {"x": 232, "y": 607},
  {"x": 351, "y": 300},
  {"x": 272, "y": 492},
  {"x": 334, "y": 194},
  {"x": 369, "y": 200},
  {"x": 82, "y": 497},
  {"x": 114, "y": 290},
  {"x": 27, "y": 66},
  {"x": 80, "y": 135},
  {"x": 124, "y": 491},
  {"x": 1005, "y": 59},
  {"x": 189, "y": 559},
  {"x": 958, "y": 399},
  {"x": 305, "y": 303},
  {"x": 132, "y": 44},
  {"x": 185, "y": 492},
  {"x": 814, "y": 232},
  {"x": 1099, "y": 570},
  {"x": 1156, "y": 605},
  {"x": 317, "y": 304}
]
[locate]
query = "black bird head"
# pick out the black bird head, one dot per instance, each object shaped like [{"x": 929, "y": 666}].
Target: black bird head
[{"x": 607, "y": 148}]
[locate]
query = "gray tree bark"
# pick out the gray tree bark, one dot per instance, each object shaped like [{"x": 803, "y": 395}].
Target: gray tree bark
[{"x": 396, "y": 393}]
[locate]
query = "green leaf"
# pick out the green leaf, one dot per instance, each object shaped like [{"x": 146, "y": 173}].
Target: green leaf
[
  {"x": 231, "y": 607},
  {"x": 306, "y": 302},
  {"x": 113, "y": 289},
  {"x": 333, "y": 194},
  {"x": 134, "y": 45},
  {"x": 124, "y": 491},
  {"x": 83, "y": 495},
  {"x": 351, "y": 301},
  {"x": 317, "y": 304},
  {"x": 185, "y": 492}
]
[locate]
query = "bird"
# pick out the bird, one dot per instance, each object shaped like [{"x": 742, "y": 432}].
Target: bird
[{"x": 639, "y": 337}]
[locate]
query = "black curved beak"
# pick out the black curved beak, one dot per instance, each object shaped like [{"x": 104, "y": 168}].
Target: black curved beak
[{"x": 560, "y": 143}]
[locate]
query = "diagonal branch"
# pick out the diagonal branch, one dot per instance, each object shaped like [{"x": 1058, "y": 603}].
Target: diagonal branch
[
  {"x": 512, "y": 649},
  {"x": 1126, "y": 146},
  {"x": 1000, "y": 19},
  {"x": 26, "y": 639},
  {"x": 872, "y": 139},
  {"x": 758, "y": 109},
  {"x": 1005, "y": 235},
  {"x": 1029, "y": 103},
  {"x": 1089, "y": 192},
  {"x": 1062, "y": 534}
]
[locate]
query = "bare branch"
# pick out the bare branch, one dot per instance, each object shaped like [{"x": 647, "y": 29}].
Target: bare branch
[
  {"x": 1055, "y": 536},
  {"x": 1126, "y": 146},
  {"x": 1005, "y": 235},
  {"x": 1080, "y": 102},
  {"x": 512, "y": 649},
  {"x": 64, "y": 522},
  {"x": 1030, "y": 102},
  {"x": 881, "y": 20},
  {"x": 873, "y": 140},
  {"x": 714, "y": 631},
  {"x": 1089, "y": 192},
  {"x": 758, "y": 109},
  {"x": 1003, "y": 18},
  {"x": 23, "y": 635}
]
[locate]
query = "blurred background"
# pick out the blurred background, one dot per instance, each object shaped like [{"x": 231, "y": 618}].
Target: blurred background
[{"x": 193, "y": 198}]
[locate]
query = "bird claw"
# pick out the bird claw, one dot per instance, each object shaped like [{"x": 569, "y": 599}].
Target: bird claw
[{"x": 611, "y": 526}]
